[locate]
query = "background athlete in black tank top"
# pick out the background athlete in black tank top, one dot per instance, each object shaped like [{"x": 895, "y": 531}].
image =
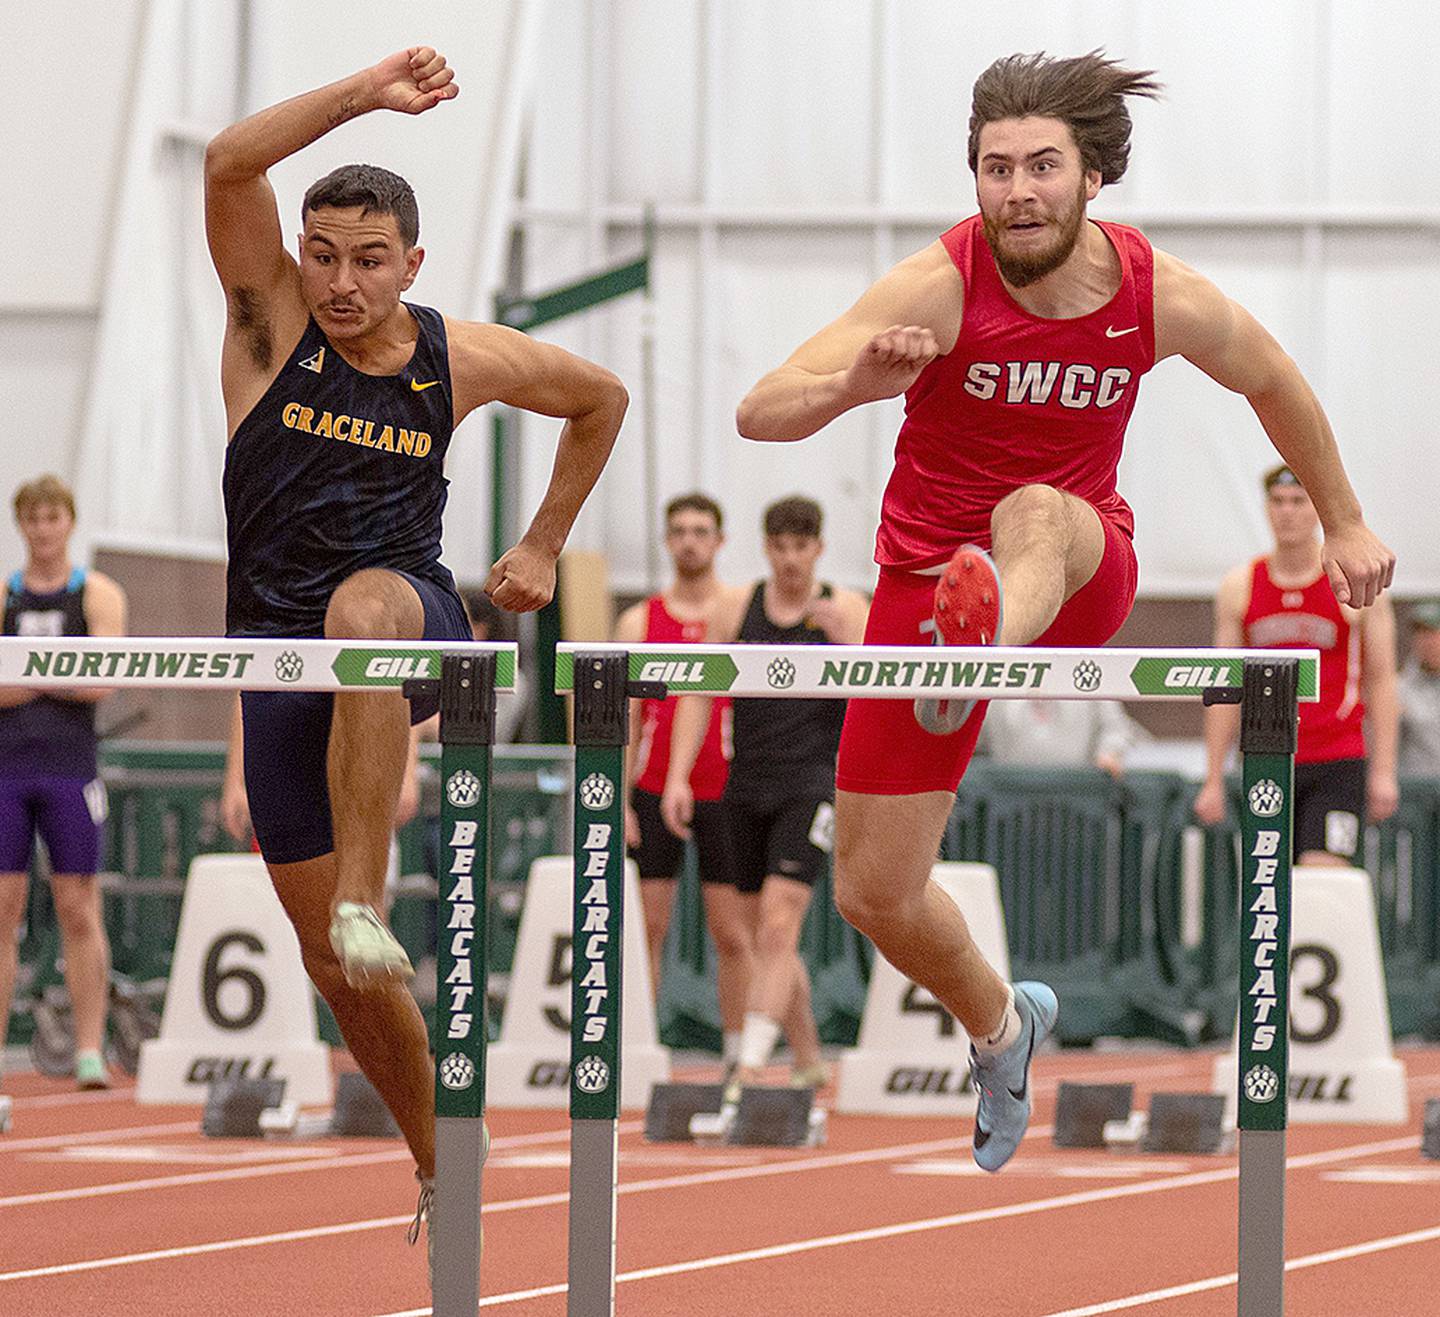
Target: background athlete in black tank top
[
  {"x": 340, "y": 400},
  {"x": 48, "y": 779},
  {"x": 782, "y": 778}
]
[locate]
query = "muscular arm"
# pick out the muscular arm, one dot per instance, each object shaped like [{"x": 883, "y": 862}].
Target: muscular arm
[
  {"x": 875, "y": 350},
  {"x": 242, "y": 224},
  {"x": 490, "y": 363},
  {"x": 1222, "y": 721},
  {"x": 1194, "y": 319},
  {"x": 1382, "y": 708}
]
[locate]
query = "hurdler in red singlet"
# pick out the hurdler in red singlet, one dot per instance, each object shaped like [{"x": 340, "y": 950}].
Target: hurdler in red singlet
[
  {"x": 1020, "y": 400},
  {"x": 1018, "y": 341}
]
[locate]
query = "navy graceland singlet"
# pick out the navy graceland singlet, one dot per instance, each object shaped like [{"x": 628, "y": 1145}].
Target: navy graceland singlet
[{"x": 333, "y": 471}]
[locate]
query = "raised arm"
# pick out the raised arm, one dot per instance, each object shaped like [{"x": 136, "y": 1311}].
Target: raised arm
[
  {"x": 1194, "y": 319},
  {"x": 490, "y": 363},
  {"x": 875, "y": 350},
  {"x": 242, "y": 223}
]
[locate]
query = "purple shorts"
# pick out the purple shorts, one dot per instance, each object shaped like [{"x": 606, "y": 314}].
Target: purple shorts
[{"x": 67, "y": 813}]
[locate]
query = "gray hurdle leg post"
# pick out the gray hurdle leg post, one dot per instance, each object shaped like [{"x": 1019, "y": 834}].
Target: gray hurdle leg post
[
  {"x": 1268, "y": 729},
  {"x": 467, "y": 734},
  {"x": 601, "y": 730}
]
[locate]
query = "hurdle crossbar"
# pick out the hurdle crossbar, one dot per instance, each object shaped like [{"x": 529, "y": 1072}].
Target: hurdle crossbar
[
  {"x": 911, "y": 671},
  {"x": 1267, "y": 684},
  {"x": 225, "y": 663}
]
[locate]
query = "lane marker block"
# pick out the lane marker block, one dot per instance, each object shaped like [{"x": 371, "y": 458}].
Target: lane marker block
[{"x": 1083, "y": 1110}]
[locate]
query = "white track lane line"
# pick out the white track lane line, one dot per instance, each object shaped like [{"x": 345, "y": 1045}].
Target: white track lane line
[
  {"x": 871, "y": 1154},
  {"x": 320, "y": 1162},
  {"x": 1221, "y": 1282},
  {"x": 1002, "y": 1212},
  {"x": 87, "y": 1098},
  {"x": 505, "y": 1205},
  {"x": 117, "y": 1135}
]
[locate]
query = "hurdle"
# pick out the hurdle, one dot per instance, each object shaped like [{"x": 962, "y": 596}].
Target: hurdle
[
  {"x": 1267, "y": 684},
  {"x": 466, "y": 676}
]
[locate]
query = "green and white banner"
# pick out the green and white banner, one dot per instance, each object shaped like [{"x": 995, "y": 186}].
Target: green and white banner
[
  {"x": 904, "y": 672},
  {"x": 234, "y": 664}
]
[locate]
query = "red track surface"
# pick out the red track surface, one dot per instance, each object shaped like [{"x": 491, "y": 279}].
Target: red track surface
[{"x": 889, "y": 1217}]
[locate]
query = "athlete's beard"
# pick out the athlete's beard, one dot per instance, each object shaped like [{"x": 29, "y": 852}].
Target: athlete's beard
[
  {"x": 1020, "y": 269},
  {"x": 690, "y": 571}
]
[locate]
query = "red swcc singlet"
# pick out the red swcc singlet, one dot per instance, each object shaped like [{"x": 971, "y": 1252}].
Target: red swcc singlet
[
  {"x": 657, "y": 717},
  {"x": 1020, "y": 400},
  {"x": 1311, "y": 618}
]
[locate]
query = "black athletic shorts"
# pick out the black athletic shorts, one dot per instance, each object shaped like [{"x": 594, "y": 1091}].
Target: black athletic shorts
[
  {"x": 789, "y": 836},
  {"x": 1330, "y": 807},
  {"x": 660, "y": 851},
  {"x": 287, "y": 740}
]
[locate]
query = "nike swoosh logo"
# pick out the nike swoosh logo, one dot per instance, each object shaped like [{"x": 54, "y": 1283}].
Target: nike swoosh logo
[
  {"x": 1112, "y": 332},
  {"x": 1025, "y": 1087},
  {"x": 420, "y": 388}
]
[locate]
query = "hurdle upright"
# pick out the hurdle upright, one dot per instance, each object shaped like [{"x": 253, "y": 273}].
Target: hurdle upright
[{"x": 1268, "y": 684}]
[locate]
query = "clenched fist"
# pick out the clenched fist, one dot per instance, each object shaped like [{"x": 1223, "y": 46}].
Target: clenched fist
[
  {"x": 523, "y": 580},
  {"x": 891, "y": 362},
  {"x": 413, "y": 81}
]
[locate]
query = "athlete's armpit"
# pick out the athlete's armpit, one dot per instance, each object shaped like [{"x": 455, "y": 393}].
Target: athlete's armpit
[{"x": 249, "y": 315}]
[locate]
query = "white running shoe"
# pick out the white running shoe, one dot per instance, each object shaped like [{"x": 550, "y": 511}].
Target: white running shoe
[{"x": 368, "y": 951}]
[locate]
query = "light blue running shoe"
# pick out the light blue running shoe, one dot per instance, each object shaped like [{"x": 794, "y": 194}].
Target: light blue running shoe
[{"x": 1002, "y": 1079}]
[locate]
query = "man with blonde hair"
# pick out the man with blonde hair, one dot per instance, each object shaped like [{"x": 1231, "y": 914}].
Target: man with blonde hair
[{"x": 49, "y": 778}]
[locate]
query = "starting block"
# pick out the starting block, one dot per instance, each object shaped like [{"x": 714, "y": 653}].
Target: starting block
[
  {"x": 1185, "y": 1122},
  {"x": 360, "y": 1111},
  {"x": 1083, "y": 1110},
  {"x": 673, "y": 1106},
  {"x": 765, "y": 1117},
  {"x": 1176, "y": 1122},
  {"x": 1430, "y": 1138},
  {"x": 234, "y": 1106}
]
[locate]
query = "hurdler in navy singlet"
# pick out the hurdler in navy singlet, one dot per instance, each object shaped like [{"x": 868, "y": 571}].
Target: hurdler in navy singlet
[{"x": 334, "y": 471}]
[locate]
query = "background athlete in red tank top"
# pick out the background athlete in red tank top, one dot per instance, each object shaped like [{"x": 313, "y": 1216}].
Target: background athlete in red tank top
[
  {"x": 1282, "y": 601},
  {"x": 1045, "y": 135},
  {"x": 682, "y": 613}
]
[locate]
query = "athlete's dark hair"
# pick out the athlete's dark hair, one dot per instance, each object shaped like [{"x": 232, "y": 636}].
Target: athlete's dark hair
[
  {"x": 1279, "y": 475},
  {"x": 796, "y": 515},
  {"x": 695, "y": 501},
  {"x": 378, "y": 190},
  {"x": 1088, "y": 92}
]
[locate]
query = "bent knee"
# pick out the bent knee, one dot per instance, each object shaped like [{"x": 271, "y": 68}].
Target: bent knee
[
  {"x": 1029, "y": 503},
  {"x": 374, "y": 604}
]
